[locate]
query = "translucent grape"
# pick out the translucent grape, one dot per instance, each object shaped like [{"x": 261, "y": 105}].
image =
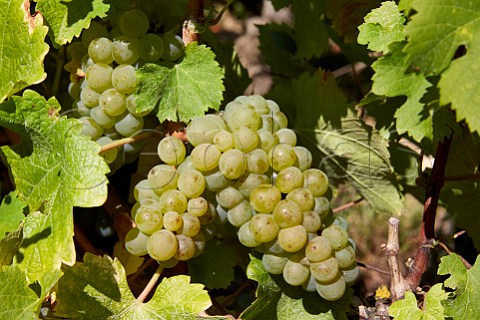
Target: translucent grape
[
  {"x": 134, "y": 23},
  {"x": 199, "y": 241},
  {"x": 223, "y": 140},
  {"x": 91, "y": 128},
  {"x": 203, "y": 129},
  {"x": 257, "y": 161},
  {"x": 129, "y": 125},
  {"x": 245, "y": 236},
  {"x": 297, "y": 270},
  {"x": 257, "y": 101},
  {"x": 197, "y": 206},
  {"x": 337, "y": 235},
  {"x": 310, "y": 285},
  {"x": 216, "y": 181},
  {"x": 315, "y": 180},
  {"x": 240, "y": 214},
  {"x": 173, "y": 200},
  {"x": 186, "y": 248},
  {"x": 274, "y": 264},
  {"x": 143, "y": 190},
  {"x": 345, "y": 257},
  {"x": 242, "y": 116},
  {"x": 287, "y": 136},
  {"x": 100, "y": 50},
  {"x": 232, "y": 164},
  {"x": 264, "y": 198},
  {"x": 172, "y": 47},
  {"x": 148, "y": 219},
  {"x": 171, "y": 150},
  {"x": 322, "y": 206},
  {"x": 263, "y": 227},
  {"x": 209, "y": 216},
  {"x": 311, "y": 221},
  {"x": 99, "y": 77},
  {"x": 80, "y": 109},
  {"x": 95, "y": 30},
  {"x": 287, "y": 214},
  {"x": 191, "y": 183},
  {"x": 273, "y": 106},
  {"x": 136, "y": 242},
  {"x": 303, "y": 197},
  {"x": 170, "y": 263},
  {"x": 190, "y": 226},
  {"x": 252, "y": 180},
  {"x": 229, "y": 197},
  {"x": 292, "y": 239},
  {"x": 113, "y": 102},
  {"x": 304, "y": 158},
  {"x": 110, "y": 155},
  {"x": 162, "y": 245},
  {"x": 86, "y": 63},
  {"x": 282, "y": 156},
  {"x": 332, "y": 290},
  {"x": 275, "y": 248},
  {"x": 267, "y": 140},
  {"x": 124, "y": 79},
  {"x": 101, "y": 118},
  {"x": 131, "y": 102},
  {"x": 205, "y": 157},
  {"x": 325, "y": 271},
  {"x": 89, "y": 97},
  {"x": 125, "y": 50},
  {"x": 319, "y": 249},
  {"x": 245, "y": 139},
  {"x": 74, "y": 90},
  {"x": 280, "y": 120},
  {"x": 150, "y": 47},
  {"x": 351, "y": 273},
  {"x": 162, "y": 177},
  {"x": 289, "y": 179},
  {"x": 172, "y": 220}
]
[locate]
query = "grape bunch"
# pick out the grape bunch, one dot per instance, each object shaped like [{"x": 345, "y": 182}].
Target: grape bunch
[
  {"x": 246, "y": 169},
  {"x": 105, "y": 84}
]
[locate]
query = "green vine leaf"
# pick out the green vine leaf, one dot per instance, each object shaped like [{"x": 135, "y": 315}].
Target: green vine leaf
[
  {"x": 463, "y": 303},
  {"x": 22, "y": 47},
  {"x": 432, "y": 307},
  {"x": 11, "y": 213},
  {"x": 98, "y": 289},
  {"x": 278, "y": 300},
  {"x": 54, "y": 169},
  {"x": 182, "y": 91}
]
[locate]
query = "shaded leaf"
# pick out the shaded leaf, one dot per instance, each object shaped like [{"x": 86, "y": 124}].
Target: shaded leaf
[{"x": 11, "y": 213}]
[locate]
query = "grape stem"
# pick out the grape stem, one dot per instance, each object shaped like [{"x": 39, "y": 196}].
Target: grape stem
[
  {"x": 347, "y": 205},
  {"x": 367, "y": 266},
  {"x": 150, "y": 285},
  {"x": 194, "y": 17},
  {"x": 124, "y": 141},
  {"x": 450, "y": 250}
]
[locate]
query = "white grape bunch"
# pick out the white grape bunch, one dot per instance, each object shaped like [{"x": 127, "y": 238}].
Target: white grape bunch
[
  {"x": 108, "y": 55},
  {"x": 245, "y": 168}
]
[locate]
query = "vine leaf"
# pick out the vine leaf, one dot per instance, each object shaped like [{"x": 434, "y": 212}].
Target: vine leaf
[
  {"x": 11, "y": 213},
  {"x": 463, "y": 303},
  {"x": 432, "y": 307},
  {"x": 436, "y": 32},
  {"x": 214, "y": 267},
  {"x": 182, "y": 91},
  {"x": 98, "y": 288},
  {"x": 278, "y": 300},
  {"x": 22, "y": 47},
  {"x": 55, "y": 168}
]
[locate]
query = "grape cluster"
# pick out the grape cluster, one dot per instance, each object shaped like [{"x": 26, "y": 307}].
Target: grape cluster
[
  {"x": 104, "y": 92},
  {"x": 246, "y": 163}
]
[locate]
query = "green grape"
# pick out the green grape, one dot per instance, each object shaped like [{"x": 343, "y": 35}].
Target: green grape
[
  {"x": 197, "y": 206},
  {"x": 148, "y": 219},
  {"x": 190, "y": 226},
  {"x": 345, "y": 257},
  {"x": 221, "y": 214},
  {"x": 136, "y": 242},
  {"x": 172, "y": 47},
  {"x": 203, "y": 129},
  {"x": 162, "y": 177},
  {"x": 325, "y": 271},
  {"x": 150, "y": 47},
  {"x": 239, "y": 115},
  {"x": 311, "y": 221},
  {"x": 351, "y": 273},
  {"x": 282, "y": 156},
  {"x": 171, "y": 150},
  {"x": 89, "y": 97},
  {"x": 280, "y": 120},
  {"x": 162, "y": 245},
  {"x": 223, "y": 140},
  {"x": 100, "y": 50},
  {"x": 125, "y": 50},
  {"x": 209, "y": 216},
  {"x": 172, "y": 221},
  {"x": 268, "y": 123},
  {"x": 145, "y": 202},
  {"x": 185, "y": 165},
  {"x": 80, "y": 109},
  {"x": 199, "y": 241},
  {"x": 252, "y": 180},
  {"x": 289, "y": 179},
  {"x": 304, "y": 158},
  {"x": 205, "y": 157},
  {"x": 216, "y": 181},
  {"x": 245, "y": 139},
  {"x": 337, "y": 235},
  {"x": 240, "y": 214},
  {"x": 264, "y": 198},
  {"x": 274, "y": 264},
  {"x": 273, "y": 106},
  {"x": 129, "y": 125},
  {"x": 99, "y": 77},
  {"x": 110, "y": 155},
  {"x": 124, "y": 79},
  {"x": 303, "y": 197},
  {"x": 191, "y": 183},
  {"x": 186, "y": 248},
  {"x": 319, "y": 249},
  {"x": 292, "y": 239},
  {"x": 297, "y": 270},
  {"x": 86, "y": 63},
  {"x": 245, "y": 236},
  {"x": 257, "y": 161},
  {"x": 267, "y": 140},
  {"x": 170, "y": 263},
  {"x": 332, "y": 290},
  {"x": 257, "y": 101},
  {"x": 263, "y": 227},
  {"x": 134, "y": 23},
  {"x": 287, "y": 136},
  {"x": 173, "y": 200},
  {"x": 74, "y": 90},
  {"x": 91, "y": 128},
  {"x": 310, "y": 284},
  {"x": 232, "y": 164},
  {"x": 287, "y": 214},
  {"x": 113, "y": 102},
  {"x": 339, "y": 221},
  {"x": 322, "y": 206},
  {"x": 103, "y": 120},
  {"x": 315, "y": 180},
  {"x": 95, "y": 30},
  {"x": 274, "y": 247},
  {"x": 229, "y": 197},
  {"x": 144, "y": 191},
  {"x": 131, "y": 102}
]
